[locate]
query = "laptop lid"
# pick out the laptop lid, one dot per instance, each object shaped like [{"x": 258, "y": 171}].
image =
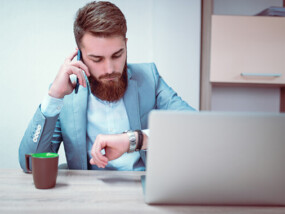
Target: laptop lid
[{"x": 216, "y": 158}]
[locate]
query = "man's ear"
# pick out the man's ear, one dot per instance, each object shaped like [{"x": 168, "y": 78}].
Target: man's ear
[{"x": 126, "y": 40}]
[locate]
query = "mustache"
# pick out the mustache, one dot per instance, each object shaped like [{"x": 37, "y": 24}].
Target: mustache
[{"x": 112, "y": 75}]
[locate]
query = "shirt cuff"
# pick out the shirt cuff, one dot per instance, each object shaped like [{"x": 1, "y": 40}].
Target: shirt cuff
[
  {"x": 146, "y": 132},
  {"x": 51, "y": 106}
]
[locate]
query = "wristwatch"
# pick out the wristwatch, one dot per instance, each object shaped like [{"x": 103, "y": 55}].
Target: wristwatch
[{"x": 132, "y": 139}]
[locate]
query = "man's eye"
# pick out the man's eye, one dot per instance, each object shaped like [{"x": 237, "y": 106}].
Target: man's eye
[
  {"x": 117, "y": 56},
  {"x": 96, "y": 60}
]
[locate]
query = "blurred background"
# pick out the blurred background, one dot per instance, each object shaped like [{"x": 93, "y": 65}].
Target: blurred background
[{"x": 36, "y": 37}]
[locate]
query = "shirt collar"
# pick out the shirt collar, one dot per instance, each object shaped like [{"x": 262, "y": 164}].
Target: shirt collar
[{"x": 104, "y": 101}]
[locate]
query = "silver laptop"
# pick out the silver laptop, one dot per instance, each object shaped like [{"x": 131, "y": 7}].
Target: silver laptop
[{"x": 215, "y": 158}]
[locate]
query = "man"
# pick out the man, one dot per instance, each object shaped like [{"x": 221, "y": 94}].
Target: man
[{"x": 113, "y": 97}]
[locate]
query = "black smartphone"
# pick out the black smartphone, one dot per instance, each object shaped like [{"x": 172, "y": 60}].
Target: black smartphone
[{"x": 77, "y": 80}]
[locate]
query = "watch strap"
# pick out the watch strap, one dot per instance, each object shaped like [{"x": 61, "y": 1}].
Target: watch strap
[{"x": 140, "y": 140}]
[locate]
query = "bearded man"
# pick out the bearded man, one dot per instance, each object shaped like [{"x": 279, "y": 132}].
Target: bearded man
[{"x": 91, "y": 120}]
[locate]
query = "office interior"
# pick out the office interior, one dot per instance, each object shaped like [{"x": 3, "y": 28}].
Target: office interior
[{"x": 37, "y": 36}]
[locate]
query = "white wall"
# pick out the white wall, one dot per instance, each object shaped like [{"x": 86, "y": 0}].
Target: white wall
[
  {"x": 261, "y": 99},
  {"x": 176, "y": 45},
  {"x": 36, "y": 36}
]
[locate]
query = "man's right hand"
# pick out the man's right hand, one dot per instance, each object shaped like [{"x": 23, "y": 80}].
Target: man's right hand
[{"x": 62, "y": 84}]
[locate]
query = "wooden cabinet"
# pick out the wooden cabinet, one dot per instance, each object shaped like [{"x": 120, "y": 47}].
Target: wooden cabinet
[{"x": 248, "y": 50}]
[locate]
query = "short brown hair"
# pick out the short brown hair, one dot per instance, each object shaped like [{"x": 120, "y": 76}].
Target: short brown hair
[{"x": 102, "y": 19}]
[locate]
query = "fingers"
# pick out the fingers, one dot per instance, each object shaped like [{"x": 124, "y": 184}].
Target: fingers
[
  {"x": 97, "y": 157},
  {"x": 63, "y": 83},
  {"x": 78, "y": 72},
  {"x": 81, "y": 65},
  {"x": 95, "y": 162},
  {"x": 77, "y": 68}
]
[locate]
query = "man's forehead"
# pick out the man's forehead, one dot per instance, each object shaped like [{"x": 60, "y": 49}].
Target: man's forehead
[{"x": 102, "y": 45}]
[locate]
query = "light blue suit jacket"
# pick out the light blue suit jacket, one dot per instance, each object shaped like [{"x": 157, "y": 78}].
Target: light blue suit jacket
[{"x": 146, "y": 91}]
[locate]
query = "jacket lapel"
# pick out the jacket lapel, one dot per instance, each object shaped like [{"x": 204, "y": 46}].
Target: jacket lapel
[
  {"x": 80, "y": 103},
  {"x": 131, "y": 101}
]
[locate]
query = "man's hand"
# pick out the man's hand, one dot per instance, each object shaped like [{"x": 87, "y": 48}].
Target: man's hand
[
  {"x": 62, "y": 85},
  {"x": 115, "y": 146}
]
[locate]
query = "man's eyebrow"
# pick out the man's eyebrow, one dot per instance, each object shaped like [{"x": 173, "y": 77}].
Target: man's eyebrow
[
  {"x": 117, "y": 52},
  {"x": 94, "y": 56}
]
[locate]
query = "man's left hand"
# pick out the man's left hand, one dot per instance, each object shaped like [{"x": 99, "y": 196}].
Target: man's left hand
[{"x": 115, "y": 146}]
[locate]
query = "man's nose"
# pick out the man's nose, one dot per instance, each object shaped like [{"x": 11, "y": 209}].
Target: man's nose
[{"x": 109, "y": 68}]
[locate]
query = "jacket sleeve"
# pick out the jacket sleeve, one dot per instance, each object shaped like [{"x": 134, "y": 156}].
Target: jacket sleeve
[
  {"x": 42, "y": 135},
  {"x": 166, "y": 97}
]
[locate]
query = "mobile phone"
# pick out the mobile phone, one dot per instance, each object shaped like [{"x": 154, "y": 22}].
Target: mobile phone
[{"x": 77, "y": 80}]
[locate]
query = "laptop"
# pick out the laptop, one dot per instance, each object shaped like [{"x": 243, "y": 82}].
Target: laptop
[{"x": 215, "y": 158}]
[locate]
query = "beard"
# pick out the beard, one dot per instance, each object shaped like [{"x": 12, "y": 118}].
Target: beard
[{"x": 112, "y": 90}]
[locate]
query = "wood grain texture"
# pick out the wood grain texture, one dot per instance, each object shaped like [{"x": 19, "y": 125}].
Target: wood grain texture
[{"x": 93, "y": 192}]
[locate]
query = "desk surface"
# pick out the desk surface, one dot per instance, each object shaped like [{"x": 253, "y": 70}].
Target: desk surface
[{"x": 77, "y": 191}]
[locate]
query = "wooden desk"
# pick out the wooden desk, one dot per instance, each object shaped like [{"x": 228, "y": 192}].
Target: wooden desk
[{"x": 93, "y": 192}]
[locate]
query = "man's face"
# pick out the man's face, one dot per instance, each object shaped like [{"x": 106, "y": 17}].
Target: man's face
[{"x": 105, "y": 58}]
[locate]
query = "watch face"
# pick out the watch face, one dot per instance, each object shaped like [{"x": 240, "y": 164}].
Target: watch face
[{"x": 132, "y": 139}]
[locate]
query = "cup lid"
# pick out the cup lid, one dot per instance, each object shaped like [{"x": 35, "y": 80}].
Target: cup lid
[{"x": 45, "y": 155}]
